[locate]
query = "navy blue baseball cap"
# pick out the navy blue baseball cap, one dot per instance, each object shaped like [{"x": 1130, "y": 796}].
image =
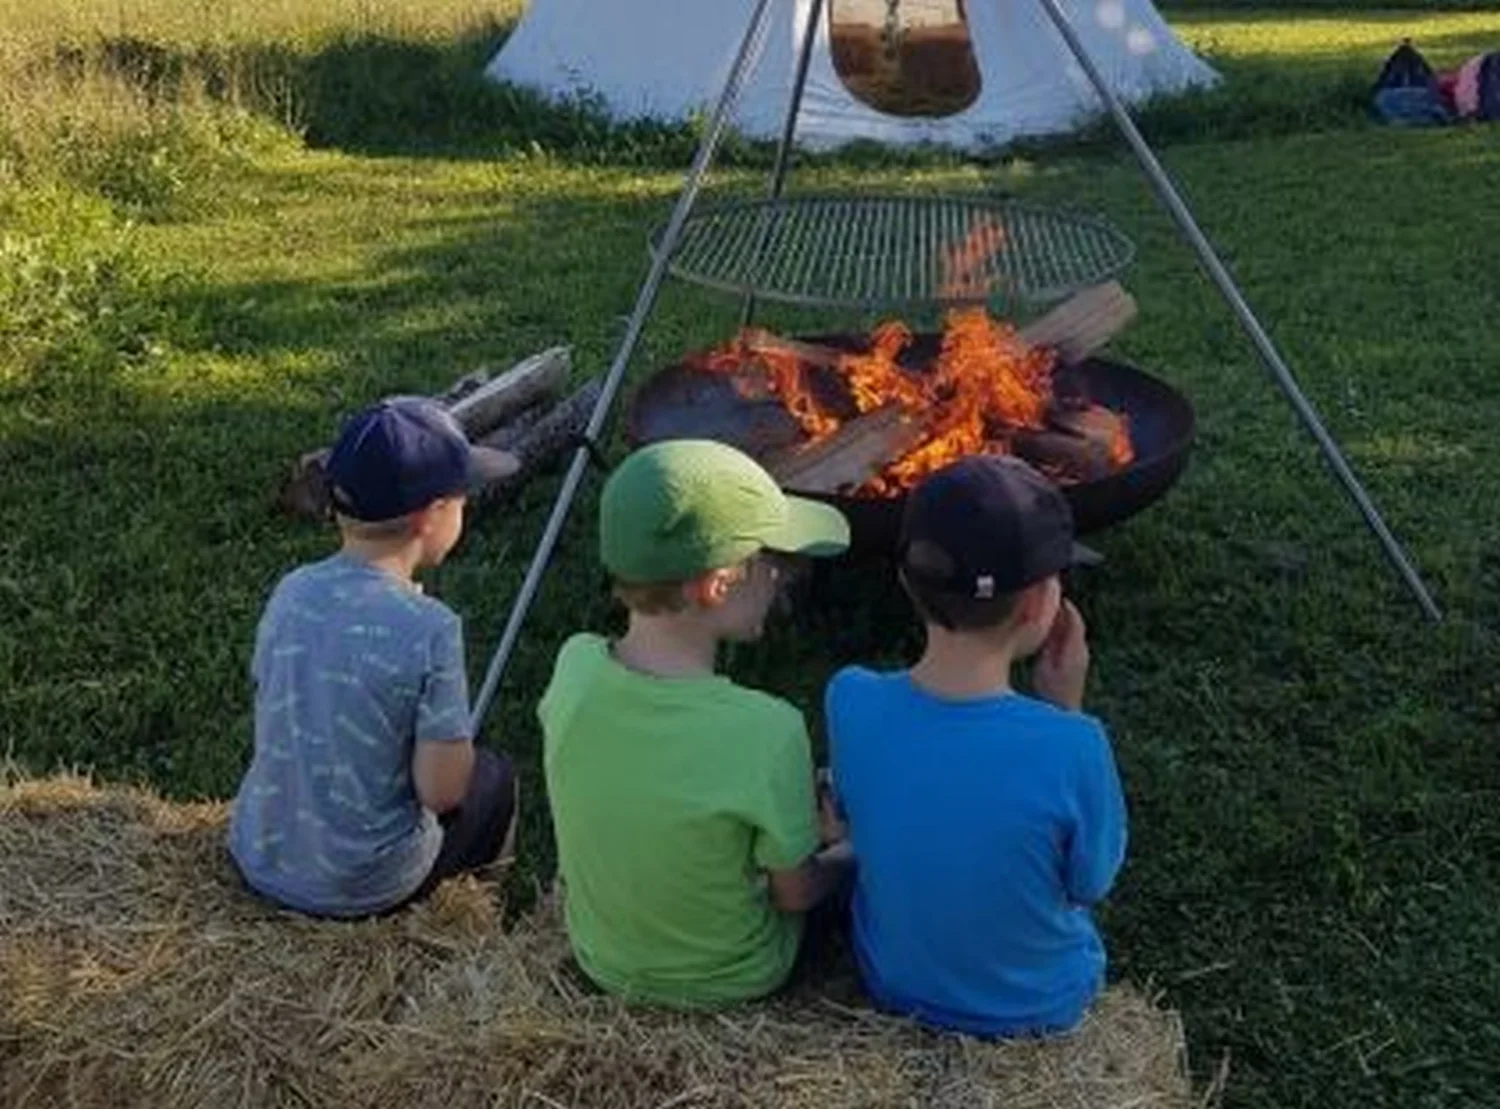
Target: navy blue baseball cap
[
  {"x": 403, "y": 453},
  {"x": 986, "y": 526}
]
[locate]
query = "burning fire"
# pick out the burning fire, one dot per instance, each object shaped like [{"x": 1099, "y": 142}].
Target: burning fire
[
  {"x": 964, "y": 263},
  {"x": 986, "y": 392}
]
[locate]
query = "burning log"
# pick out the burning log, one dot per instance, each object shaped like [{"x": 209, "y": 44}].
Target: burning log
[
  {"x": 1083, "y": 323},
  {"x": 1060, "y": 454},
  {"x": 986, "y": 386},
  {"x": 1076, "y": 328},
  {"x": 1093, "y": 422},
  {"x": 514, "y": 411},
  {"x": 1081, "y": 442},
  {"x": 757, "y": 340},
  {"x": 1099, "y": 425},
  {"x": 850, "y": 456}
]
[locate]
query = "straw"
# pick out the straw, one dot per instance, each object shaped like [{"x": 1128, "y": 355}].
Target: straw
[{"x": 134, "y": 971}]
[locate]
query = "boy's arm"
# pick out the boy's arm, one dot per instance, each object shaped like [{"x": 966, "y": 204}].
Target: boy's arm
[
  {"x": 440, "y": 771},
  {"x": 1096, "y": 846},
  {"x": 798, "y": 890},
  {"x": 786, "y": 840},
  {"x": 443, "y": 754}
]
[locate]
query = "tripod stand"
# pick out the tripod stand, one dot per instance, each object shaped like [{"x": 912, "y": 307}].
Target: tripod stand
[{"x": 669, "y": 238}]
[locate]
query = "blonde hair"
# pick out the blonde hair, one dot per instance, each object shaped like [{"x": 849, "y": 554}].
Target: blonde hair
[
  {"x": 374, "y": 531},
  {"x": 657, "y": 598}
]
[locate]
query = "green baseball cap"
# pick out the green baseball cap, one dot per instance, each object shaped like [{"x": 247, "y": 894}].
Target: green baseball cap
[{"x": 682, "y": 507}]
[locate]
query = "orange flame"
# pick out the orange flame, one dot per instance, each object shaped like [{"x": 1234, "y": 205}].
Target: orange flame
[
  {"x": 789, "y": 382},
  {"x": 963, "y": 263},
  {"x": 786, "y": 379},
  {"x": 985, "y": 385}
]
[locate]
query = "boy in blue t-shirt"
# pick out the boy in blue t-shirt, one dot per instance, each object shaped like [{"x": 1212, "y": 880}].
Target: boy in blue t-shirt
[
  {"x": 365, "y": 788},
  {"x": 984, "y": 822}
]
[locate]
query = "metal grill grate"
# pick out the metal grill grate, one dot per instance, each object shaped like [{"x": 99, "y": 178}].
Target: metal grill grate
[{"x": 873, "y": 252}]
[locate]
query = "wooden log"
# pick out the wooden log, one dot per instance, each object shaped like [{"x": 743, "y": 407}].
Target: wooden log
[
  {"x": 305, "y": 491},
  {"x": 462, "y": 387},
  {"x": 552, "y": 436},
  {"x": 512, "y": 431},
  {"x": 1076, "y": 328},
  {"x": 1093, "y": 422},
  {"x": 849, "y": 457},
  {"x": 758, "y": 340},
  {"x": 493, "y": 411},
  {"x": 1062, "y": 455},
  {"x": 489, "y": 404},
  {"x": 1083, "y": 323}
]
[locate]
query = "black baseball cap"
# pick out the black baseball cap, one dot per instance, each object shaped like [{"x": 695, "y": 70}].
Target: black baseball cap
[
  {"x": 986, "y": 526},
  {"x": 403, "y": 453}
]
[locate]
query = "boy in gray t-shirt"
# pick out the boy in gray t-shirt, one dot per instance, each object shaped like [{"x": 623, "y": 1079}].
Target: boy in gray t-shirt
[{"x": 365, "y": 788}]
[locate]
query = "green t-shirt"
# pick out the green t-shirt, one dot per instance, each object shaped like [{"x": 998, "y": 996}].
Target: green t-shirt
[{"x": 669, "y": 798}]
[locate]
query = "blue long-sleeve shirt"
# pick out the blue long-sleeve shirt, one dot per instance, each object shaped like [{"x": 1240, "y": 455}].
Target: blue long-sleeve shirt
[{"x": 982, "y": 830}]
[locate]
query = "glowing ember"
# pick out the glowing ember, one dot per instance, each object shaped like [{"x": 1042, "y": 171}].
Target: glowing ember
[{"x": 985, "y": 388}]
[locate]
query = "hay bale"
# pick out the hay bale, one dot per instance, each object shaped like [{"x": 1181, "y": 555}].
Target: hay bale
[{"x": 135, "y": 972}]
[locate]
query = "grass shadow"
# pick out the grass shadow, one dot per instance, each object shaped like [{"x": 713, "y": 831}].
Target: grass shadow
[{"x": 382, "y": 94}]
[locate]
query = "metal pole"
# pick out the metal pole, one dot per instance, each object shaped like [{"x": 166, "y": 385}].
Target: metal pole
[
  {"x": 645, "y": 300},
  {"x": 788, "y": 134},
  {"x": 1167, "y": 193}
]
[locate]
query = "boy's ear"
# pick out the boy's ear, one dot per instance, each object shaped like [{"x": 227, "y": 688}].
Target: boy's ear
[
  {"x": 1030, "y": 603},
  {"x": 1033, "y": 602},
  {"x": 710, "y": 590},
  {"x": 421, "y": 520}
]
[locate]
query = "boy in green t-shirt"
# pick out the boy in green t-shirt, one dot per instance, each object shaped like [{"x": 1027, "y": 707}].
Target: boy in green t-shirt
[{"x": 687, "y": 832}]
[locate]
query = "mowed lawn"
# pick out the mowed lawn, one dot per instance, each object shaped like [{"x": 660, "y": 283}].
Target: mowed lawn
[{"x": 1313, "y": 771}]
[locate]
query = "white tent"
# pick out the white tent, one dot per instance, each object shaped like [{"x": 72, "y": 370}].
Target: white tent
[{"x": 666, "y": 59}]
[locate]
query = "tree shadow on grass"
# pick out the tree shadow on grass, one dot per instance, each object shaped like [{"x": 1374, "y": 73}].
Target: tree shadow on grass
[
  {"x": 380, "y": 94},
  {"x": 384, "y": 95}
]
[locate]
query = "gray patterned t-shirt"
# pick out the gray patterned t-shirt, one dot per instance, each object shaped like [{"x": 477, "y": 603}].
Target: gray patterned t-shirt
[{"x": 352, "y": 667}]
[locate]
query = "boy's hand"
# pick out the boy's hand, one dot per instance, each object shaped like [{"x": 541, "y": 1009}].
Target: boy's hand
[
  {"x": 831, "y": 826},
  {"x": 1062, "y": 665}
]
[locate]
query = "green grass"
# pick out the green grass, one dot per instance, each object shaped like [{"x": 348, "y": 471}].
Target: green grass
[{"x": 1315, "y": 868}]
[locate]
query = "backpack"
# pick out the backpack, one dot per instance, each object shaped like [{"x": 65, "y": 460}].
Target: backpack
[
  {"x": 1406, "y": 92},
  {"x": 1404, "y": 69},
  {"x": 1489, "y": 87}
]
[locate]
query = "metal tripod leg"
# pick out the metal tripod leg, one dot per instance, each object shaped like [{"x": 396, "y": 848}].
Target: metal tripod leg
[
  {"x": 788, "y": 135},
  {"x": 1167, "y": 193},
  {"x": 645, "y": 301}
]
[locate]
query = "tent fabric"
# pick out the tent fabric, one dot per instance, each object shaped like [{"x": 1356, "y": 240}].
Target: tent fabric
[{"x": 667, "y": 60}]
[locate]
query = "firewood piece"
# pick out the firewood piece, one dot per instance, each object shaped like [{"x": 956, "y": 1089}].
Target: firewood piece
[
  {"x": 548, "y": 439},
  {"x": 1083, "y": 323},
  {"x": 757, "y": 340},
  {"x": 305, "y": 491},
  {"x": 1062, "y": 455},
  {"x": 485, "y": 407},
  {"x": 462, "y": 387},
  {"x": 850, "y": 456},
  {"x": 512, "y": 431},
  {"x": 1093, "y": 422}
]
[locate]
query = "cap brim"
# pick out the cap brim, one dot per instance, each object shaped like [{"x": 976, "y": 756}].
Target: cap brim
[
  {"x": 811, "y": 528},
  {"x": 487, "y": 464},
  {"x": 1084, "y": 556}
]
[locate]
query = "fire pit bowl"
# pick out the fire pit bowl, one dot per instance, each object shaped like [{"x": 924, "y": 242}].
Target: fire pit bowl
[{"x": 688, "y": 401}]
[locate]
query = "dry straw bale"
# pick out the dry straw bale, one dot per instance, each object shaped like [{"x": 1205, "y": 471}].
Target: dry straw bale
[{"x": 135, "y": 972}]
